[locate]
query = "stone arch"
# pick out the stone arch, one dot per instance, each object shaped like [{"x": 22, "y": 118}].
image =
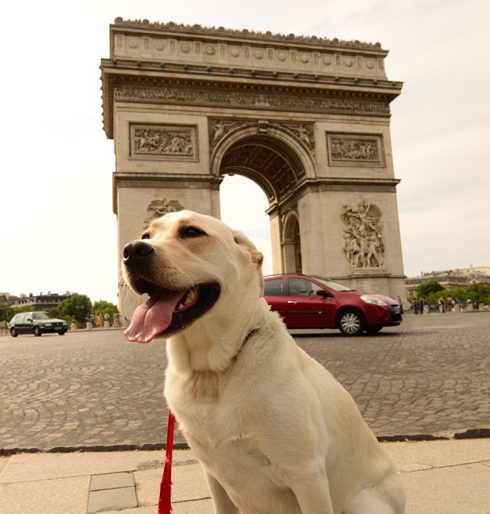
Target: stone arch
[
  {"x": 279, "y": 163},
  {"x": 298, "y": 162}
]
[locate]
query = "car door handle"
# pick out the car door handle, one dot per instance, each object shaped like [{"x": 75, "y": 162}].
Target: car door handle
[{"x": 292, "y": 301}]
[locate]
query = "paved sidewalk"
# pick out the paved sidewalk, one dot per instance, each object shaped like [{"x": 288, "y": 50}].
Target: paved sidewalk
[{"x": 441, "y": 477}]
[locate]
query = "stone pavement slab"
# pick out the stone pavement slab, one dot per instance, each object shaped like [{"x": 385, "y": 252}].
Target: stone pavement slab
[
  {"x": 444, "y": 477},
  {"x": 57, "y": 496},
  {"x": 450, "y": 490},
  {"x": 112, "y": 499},
  {"x": 441, "y": 477},
  {"x": 438, "y": 454},
  {"x": 111, "y": 481}
]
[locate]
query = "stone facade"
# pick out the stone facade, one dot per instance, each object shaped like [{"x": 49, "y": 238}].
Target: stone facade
[{"x": 306, "y": 118}]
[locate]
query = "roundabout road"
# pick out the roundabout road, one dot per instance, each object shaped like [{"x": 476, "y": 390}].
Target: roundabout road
[{"x": 90, "y": 389}]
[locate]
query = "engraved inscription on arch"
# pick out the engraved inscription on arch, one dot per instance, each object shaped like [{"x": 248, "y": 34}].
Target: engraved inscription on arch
[
  {"x": 355, "y": 149},
  {"x": 163, "y": 142}
]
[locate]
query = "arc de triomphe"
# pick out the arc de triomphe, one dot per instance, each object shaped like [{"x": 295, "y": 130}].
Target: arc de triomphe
[{"x": 306, "y": 118}]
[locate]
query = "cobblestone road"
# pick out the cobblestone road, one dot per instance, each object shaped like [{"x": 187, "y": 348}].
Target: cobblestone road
[{"x": 93, "y": 389}]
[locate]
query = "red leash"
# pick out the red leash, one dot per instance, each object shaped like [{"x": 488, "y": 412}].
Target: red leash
[{"x": 165, "y": 499}]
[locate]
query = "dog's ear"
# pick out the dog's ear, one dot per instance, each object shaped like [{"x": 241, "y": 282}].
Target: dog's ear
[
  {"x": 255, "y": 256},
  {"x": 242, "y": 240}
]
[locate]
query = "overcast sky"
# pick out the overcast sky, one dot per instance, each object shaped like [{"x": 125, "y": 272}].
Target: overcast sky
[{"x": 57, "y": 228}]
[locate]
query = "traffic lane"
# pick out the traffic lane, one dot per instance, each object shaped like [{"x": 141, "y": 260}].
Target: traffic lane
[
  {"x": 84, "y": 388},
  {"x": 95, "y": 389},
  {"x": 427, "y": 376}
]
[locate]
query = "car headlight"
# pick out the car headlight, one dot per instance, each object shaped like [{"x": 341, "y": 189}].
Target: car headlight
[{"x": 374, "y": 300}]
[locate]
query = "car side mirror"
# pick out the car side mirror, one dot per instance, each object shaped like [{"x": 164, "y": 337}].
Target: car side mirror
[
  {"x": 29, "y": 319},
  {"x": 323, "y": 293}
]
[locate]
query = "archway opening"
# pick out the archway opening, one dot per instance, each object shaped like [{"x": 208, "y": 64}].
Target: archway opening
[
  {"x": 292, "y": 244},
  {"x": 267, "y": 161},
  {"x": 276, "y": 169},
  {"x": 243, "y": 207}
]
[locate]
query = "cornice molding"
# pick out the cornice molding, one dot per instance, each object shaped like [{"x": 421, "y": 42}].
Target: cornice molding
[
  {"x": 221, "y": 32},
  {"x": 142, "y": 179}
]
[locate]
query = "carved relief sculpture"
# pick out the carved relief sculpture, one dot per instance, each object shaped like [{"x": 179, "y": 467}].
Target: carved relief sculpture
[
  {"x": 245, "y": 99},
  {"x": 163, "y": 141},
  {"x": 157, "y": 208},
  {"x": 219, "y": 128},
  {"x": 363, "y": 235},
  {"x": 302, "y": 131},
  {"x": 355, "y": 149}
]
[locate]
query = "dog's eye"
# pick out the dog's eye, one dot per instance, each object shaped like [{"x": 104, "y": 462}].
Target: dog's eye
[
  {"x": 145, "y": 235},
  {"x": 191, "y": 232}
]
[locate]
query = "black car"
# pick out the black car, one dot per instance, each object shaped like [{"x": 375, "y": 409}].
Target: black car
[{"x": 36, "y": 323}]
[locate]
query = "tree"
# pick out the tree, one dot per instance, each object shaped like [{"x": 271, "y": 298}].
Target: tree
[
  {"x": 479, "y": 293},
  {"x": 77, "y": 306},
  {"x": 103, "y": 307},
  {"x": 7, "y": 312},
  {"x": 429, "y": 288}
]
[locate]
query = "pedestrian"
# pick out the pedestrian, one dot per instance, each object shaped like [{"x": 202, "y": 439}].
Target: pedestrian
[
  {"x": 440, "y": 302},
  {"x": 416, "y": 305},
  {"x": 400, "y": 304}
]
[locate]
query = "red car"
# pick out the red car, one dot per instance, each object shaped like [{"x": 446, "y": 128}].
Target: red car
[{"x": 314, "y": 302}]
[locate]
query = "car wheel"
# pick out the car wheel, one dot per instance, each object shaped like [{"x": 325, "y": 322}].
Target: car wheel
[
  {"x": 350, "y": 323},
  {"x": 373, "y": 329},
  {"x": 37, "y": 332},
  {"x": 13, "y": 332},
  {"x": 61, "y": 332}
]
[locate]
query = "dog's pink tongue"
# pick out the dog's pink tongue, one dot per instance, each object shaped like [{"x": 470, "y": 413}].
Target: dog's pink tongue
[{"x": 152, "y": 318}]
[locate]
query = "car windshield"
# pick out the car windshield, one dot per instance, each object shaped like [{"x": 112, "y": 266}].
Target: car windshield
[
  {"x": 333, "y": 285},
  {"x": 40, "y": 315}
]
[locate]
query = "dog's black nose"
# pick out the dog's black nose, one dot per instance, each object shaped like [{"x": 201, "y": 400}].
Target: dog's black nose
[{"x": 137, "y": 251}]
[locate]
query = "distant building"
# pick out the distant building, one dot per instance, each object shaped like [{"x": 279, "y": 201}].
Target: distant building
[
  {"x": 449, "y": 279},
  {"x": 7, "y": 299},
  {"x": 40, "y": 302}
]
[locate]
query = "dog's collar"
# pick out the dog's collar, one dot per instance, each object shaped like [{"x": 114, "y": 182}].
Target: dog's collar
[
  {"x": 248, "y": 337},
  {"x": 245, "y": 341}
]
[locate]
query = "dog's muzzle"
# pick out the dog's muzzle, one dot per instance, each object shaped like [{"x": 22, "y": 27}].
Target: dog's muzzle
[
  {"x": 137, "y": 253},
  {"x": 168, "y": 310}
]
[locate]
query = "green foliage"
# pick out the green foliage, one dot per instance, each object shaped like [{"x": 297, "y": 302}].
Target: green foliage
[
  {"x": 7, "y": 312},
  {"x": 428, "y": 289},
  {"x": 77, "y": 306},
  {"x": 103, "y": 307},
  {"x": 479, "y": 293},
  {"x": 475, "y": 292},
  {"x": 72, "y": 310}
]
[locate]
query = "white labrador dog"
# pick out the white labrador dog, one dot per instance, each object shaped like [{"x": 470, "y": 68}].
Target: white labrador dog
[{"x": 274, "y": 431}]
